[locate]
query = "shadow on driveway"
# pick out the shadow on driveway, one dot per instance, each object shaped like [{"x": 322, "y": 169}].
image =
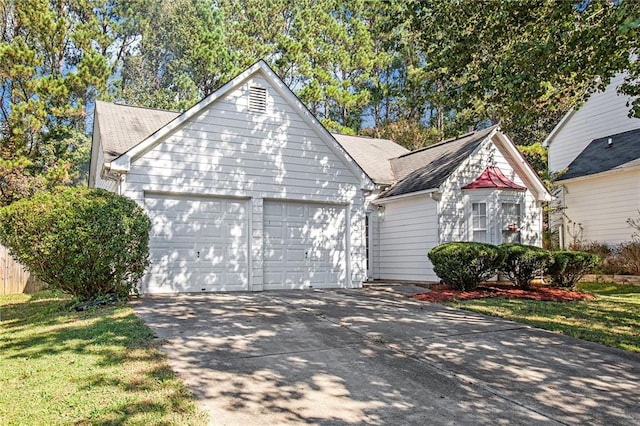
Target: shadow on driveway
[{"x": 367, "y": 356}]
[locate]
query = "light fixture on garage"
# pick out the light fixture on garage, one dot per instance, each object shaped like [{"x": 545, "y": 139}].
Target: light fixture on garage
[{"x": 380, "y": 211}]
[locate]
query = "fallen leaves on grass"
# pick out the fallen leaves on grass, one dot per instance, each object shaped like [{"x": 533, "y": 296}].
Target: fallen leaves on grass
[{"x": 507, "y": 292}]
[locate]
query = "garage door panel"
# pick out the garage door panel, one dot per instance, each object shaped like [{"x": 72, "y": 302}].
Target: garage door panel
[
  {"x": 304, "y": 245},
  {"x": 197, "y": 244}
]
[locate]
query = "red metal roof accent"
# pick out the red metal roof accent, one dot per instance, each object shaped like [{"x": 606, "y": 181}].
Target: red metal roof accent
[{"x": 492, "y": 177}]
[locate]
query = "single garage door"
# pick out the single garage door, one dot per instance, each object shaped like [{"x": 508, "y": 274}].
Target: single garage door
[
  {"x": 196, "y": 244},
  {"x": 304, "y": 245}
]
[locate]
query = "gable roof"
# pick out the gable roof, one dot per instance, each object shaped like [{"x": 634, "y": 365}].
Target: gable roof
[
  {"x": 492, "y": 177},
  {"x": 601, "y": 156},
  {"x": 122, "y": 127},
  {"x": 122, "y": 163},
  {"x": 371, "y": 153},
  {"x": 429, "y": 167}
]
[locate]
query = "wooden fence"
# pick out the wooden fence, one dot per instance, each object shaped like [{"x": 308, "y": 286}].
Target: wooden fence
[{"x": 14, "y": 278}]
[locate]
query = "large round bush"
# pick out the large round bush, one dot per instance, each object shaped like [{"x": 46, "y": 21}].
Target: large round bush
[
  {"x": 464, "y": 265},
  {"x": 86, "y": 242},
  {"x": 568, "y": 267},
  {"x": 523, "y": 262}
]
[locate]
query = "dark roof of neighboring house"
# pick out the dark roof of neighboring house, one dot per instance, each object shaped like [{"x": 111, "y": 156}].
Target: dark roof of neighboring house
[
  {"x": 429, "y": 167},
  {"x": 600, "y": 156},
  {"x": 492, "y": 177},
  {"x": 372, "y": 155},
  {"x": 122, "y": 127}
]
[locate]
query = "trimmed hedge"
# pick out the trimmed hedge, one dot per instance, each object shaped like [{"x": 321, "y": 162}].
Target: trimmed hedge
[
  {"x": 568, "y": 267},
  {"x": 86, "y": 242},
  {"x": 522, "y": 262},
  {"x": 464, "y": 265}
]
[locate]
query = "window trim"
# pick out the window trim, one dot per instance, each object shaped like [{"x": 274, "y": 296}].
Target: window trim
[{"x": 493, "y": 199}]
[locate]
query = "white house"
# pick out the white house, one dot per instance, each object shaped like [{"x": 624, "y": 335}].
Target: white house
[
  {"x": 475, "y": 188},
  {"x": 248, "y": 191},
  {"x": 596, "y": 148}
]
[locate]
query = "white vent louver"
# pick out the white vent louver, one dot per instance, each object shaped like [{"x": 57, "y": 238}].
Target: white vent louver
[{"x": 257, "y": 99}]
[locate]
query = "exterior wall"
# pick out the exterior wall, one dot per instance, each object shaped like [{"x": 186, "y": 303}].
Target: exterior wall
[
  {"x": 99, "y": 182},
  {"x": 598, "y": 207},
  {"x": 604, "y": 114},
  {"x": 402, "y": 238},
  {"x": 97, "y": 160},
  {"x": 455, "y": 204},
  {"x": 229, "y": 151}
]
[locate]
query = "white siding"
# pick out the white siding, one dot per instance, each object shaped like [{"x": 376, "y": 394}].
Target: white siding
[
  {"x": 604, "y": 114},
  {"x": 402, "y": 239},
  {"x": 455, "y": 203},
  {"x": 109, "y": 185},
  {"x": 228, "y": 151},
  {"x": 602, "y": 205}
]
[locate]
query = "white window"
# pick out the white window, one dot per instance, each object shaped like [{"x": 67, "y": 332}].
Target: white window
[
  {"x": 257, "y": 99},
  {"x": 511, "y": 222},
  {"x": 479, "y": 222}
]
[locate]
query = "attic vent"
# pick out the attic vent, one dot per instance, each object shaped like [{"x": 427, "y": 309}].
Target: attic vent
[{"x": 257, "y": 99}]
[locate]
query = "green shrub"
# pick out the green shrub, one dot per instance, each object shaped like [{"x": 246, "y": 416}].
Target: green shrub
[
  {"x": 567, "y": 267},
  {"x": 86, "y": 242},
  {"x": 465, "y": 265},
  {"x": 522, "y": 262}
]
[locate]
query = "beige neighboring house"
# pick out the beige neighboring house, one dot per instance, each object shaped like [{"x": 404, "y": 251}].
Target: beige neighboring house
[
  {"x": 247, "y": 191},
  {"x": 596, "y": 148}
]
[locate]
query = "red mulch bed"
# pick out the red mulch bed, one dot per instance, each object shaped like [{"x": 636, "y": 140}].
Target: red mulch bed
[{"x": 509, "y": 292}]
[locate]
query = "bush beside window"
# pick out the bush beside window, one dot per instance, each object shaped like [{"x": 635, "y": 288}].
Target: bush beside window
[
  {"x": 523, "y": 262},
  {"x": 465, "y": 265},
  {"x": 86, "y": 242},
  {"x": 569, "y": 266}
]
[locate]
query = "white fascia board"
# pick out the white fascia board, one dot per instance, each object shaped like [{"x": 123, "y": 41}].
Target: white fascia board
[
  {"x": 541, "y": 192},
  {"x": 381, "y": 201},
  {"x": 96, "y": 145},
  {"x": 547, "y": 141},
  {"x": 325, "y": 135},
  {"x": 123, "y": 162}
]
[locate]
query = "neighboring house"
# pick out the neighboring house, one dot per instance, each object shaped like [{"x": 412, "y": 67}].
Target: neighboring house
[
  {"x": 248, "y": 191},
  {"x": 596, "y": 150},
  {"x": 475, "y": 188}
]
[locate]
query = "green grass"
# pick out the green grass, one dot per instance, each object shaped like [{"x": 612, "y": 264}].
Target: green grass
[
  {"x": 58, "y": 366},
  {"x": 612, "y": 318}
]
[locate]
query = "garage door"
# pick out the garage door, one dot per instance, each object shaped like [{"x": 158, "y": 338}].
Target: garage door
[
  {"x": 196, "y": 244},
  {"x": 304, "y": 245}
]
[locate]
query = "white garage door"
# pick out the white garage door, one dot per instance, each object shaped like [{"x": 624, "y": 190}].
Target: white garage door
[
  {"x": 196, "y": 244},
  {"x": 304, "y": 245}
]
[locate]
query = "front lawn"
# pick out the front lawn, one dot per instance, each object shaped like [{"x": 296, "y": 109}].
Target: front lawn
[
  {"x": 611, "y": 318},
  {"x": 58, "y": 366}
]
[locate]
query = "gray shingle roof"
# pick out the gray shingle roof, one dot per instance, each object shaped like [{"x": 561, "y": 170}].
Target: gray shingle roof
[
  {"x": 122, "y": 127},
  {"x": 372, "y": 155},
  {"x": 429, "y": 167},
  {"x": 600, "y": 157}
]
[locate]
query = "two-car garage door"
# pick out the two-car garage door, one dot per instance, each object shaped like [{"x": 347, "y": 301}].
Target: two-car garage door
[{"x": 202, "y": 244}]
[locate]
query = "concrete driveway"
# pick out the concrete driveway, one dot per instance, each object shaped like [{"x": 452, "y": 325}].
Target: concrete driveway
[{"x": 376, "y": 357}]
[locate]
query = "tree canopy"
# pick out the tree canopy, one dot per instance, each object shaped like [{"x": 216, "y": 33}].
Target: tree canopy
[{"x": 416, "y": 71}]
